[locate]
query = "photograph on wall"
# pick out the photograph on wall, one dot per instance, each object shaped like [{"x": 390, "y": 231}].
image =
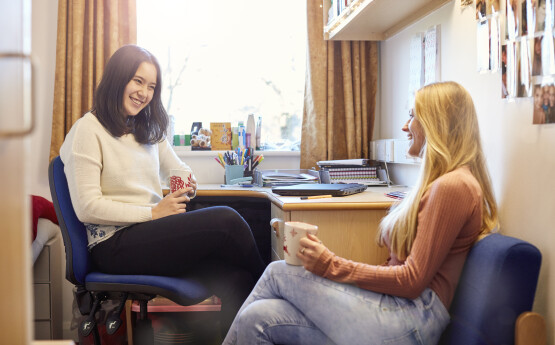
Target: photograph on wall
[
  {"x": 483, "y": 46},
  {"x": 525, "y": 65},
  {"x": 513, "y": 70},
  {"x": 540, "y": 15},
  {"x": 504, "y": 91},
  {"x": 492, "y": 6},
  {"x": 494, "y": 43},
  {"x": 531, "y": 10},
  {"x": 548, "y": 56},
  {"x": 512, "y": 23},
  {"x": 537, "y": 57},
  {"x": 544, "y": 104},
  {"x": 539, "y": 111},
  {"x": 480, "y": 10},
  {"x": 549, "y": 12},
  {"x": 523, "y": 18}
]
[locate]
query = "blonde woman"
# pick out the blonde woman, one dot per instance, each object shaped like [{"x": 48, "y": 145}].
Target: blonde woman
[{"x": 332, "y": 300}]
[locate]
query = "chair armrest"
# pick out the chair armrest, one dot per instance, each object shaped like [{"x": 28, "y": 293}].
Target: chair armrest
[{"x": 530, "y": 329}]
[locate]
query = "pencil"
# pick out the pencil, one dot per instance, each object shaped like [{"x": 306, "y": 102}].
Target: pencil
[
  {"x": 316, "y": 197},
  {"x": 219, "y": 162},
  {"x": 243, "y": 158},
  {"x": 222, "y": 159}
]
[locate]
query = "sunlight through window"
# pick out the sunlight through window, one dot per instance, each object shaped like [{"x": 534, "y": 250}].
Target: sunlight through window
[{"x": 223, "y": 60}]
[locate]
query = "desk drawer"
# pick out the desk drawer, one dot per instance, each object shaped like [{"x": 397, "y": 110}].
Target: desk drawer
[
  {"x": 41, "y": 268},
  {"x": 349, "y": 234},
  {"x": 43, "y": 330},
  {"x": 42, "y": 301}
]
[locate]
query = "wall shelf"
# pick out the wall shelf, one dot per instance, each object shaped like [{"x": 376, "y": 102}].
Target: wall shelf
[{"x": 376, "y": 20}]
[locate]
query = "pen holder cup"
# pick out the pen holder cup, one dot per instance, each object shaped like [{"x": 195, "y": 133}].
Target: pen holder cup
[{"x": 233, "y": 172}]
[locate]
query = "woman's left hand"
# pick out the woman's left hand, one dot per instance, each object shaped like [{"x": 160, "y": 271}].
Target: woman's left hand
[
  {"x": 310, "y": 250},
  {"x": 193, "y": 185}
]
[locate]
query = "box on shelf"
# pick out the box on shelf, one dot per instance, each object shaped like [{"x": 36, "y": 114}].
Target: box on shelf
[{"x": 221, "y": 136}]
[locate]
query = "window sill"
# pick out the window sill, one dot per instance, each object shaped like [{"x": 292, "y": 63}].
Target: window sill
[
  {"x": 183, "y": 152},
  {"x": 208, "y": 171}
]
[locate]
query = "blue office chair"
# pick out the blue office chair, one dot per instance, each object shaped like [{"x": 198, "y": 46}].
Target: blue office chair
[
  {"x": 95, "y": 287},
  {"x": 498, "y": 283}
]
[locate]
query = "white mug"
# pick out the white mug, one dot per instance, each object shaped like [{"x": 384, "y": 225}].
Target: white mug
[
  {"x": 293, "y": 233},
  {"x": 180, "y": 178}
]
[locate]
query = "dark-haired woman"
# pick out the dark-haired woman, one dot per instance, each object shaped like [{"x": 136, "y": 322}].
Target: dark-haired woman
[{"x": 116, "y": 157}]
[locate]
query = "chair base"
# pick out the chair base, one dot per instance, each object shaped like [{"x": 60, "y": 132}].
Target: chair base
[{"x": 174, "y": 323}]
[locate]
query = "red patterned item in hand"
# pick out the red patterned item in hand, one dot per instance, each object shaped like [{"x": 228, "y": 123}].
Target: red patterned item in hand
[{"x": 177, "y": 183}]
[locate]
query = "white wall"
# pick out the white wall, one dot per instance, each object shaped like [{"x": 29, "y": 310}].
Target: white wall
[
  {"x": 44, "y": 27},
  {"x": 521, "y": 156}
]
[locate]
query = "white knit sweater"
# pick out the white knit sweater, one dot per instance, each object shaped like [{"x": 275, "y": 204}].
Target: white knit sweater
[{"x": 114, "y": 181}]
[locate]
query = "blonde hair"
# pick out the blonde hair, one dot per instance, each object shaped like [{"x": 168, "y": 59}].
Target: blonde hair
[{"x": 448, "y": 118}]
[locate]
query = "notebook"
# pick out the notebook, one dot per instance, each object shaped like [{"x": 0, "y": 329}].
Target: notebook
[{"x": 333, "y": 189}]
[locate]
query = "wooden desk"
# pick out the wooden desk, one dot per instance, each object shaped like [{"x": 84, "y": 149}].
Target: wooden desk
[{"x": 347, "y": 225}]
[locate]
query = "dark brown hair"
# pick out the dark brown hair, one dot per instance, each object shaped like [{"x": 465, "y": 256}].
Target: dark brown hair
[{"x": 150, "y": 125}]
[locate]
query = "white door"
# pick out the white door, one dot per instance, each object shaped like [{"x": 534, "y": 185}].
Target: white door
[{"x": 15, "y": 123}]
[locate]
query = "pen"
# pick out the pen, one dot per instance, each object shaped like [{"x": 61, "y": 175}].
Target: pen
[
  {"x": 316, "y": 197},
  {"x": 221, "y": 159},
  {"x": 219, "y": 162}
]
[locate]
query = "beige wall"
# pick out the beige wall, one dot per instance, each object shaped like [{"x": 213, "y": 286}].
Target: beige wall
[{"x": 521, "y": 156}]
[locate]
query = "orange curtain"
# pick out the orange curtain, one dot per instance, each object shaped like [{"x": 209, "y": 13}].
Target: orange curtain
[
  {"x": 340, "y": 95},
  {"x": 89, "y": 32}
]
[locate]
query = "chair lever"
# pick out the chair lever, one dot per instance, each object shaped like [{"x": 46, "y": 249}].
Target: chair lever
[
  {"x": 89, "y": 324},
  {"x": 114, "y": 320}
]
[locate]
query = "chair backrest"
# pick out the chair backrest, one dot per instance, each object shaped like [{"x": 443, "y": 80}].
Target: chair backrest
[
  {"x": 73, "y": 230},
  {"x": 497, "y": 284}
]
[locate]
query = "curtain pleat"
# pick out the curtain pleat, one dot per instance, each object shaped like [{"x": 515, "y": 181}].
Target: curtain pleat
[
  {"x": 340, "y": 95},
  {"x": 89, "y": 32}
]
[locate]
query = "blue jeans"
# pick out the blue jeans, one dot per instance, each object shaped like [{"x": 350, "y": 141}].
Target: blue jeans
[{"x": 290, "y": 305}]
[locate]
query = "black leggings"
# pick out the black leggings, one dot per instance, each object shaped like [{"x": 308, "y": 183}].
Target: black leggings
[{"x": 214, "y": 244}]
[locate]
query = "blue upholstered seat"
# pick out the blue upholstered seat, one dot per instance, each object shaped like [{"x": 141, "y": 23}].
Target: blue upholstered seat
[
  {"x": 498, "y": 283},
  {"x": 95, "y": 286}
]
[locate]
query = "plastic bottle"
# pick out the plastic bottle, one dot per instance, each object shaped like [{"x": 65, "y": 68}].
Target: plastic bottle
[
  {"x": 234, "y": 139},
  {"x": 258, "y": 132},
  {"x": 241, "y": 135},
  {"x": 251, "y": 129}
]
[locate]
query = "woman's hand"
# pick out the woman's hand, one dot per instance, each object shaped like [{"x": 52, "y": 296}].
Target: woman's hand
[
  {"x": 310, "y": 250},
  {"x": 173, "y": 203},
  {"x": 193, "y": 192}
]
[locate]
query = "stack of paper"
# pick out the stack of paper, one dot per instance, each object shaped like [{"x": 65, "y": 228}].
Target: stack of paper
[
  {"x": 343, "y": 162},
  {"x": 269, "y": 178}
]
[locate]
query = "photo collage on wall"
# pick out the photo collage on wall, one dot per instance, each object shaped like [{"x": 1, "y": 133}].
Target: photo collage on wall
[{"x": 516, "y": 36}]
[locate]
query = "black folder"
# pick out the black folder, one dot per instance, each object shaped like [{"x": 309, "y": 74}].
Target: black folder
[{"x": 310, "y": 189}]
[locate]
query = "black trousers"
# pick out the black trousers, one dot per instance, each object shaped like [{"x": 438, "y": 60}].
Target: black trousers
[{"x": 213, "y": 244}]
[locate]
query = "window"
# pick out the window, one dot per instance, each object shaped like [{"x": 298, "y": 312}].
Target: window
[{"x": 222, "y": 60}]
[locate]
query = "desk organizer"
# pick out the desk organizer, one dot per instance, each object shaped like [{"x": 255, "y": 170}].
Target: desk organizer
[{"x": 233, "y": 172}]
